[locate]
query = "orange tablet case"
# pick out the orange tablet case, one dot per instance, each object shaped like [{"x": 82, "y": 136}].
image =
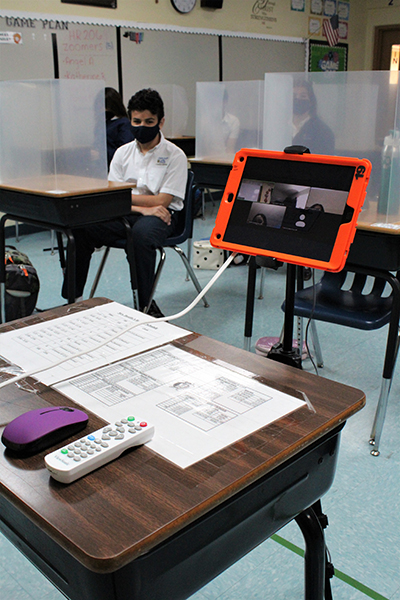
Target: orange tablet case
[{"x": 297, "y": 208}]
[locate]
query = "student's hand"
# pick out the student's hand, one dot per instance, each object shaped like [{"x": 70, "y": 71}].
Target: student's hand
[{"x": 157, "y": 211}]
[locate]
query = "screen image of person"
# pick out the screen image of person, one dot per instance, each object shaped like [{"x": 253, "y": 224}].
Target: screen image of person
[
  {"x": 309, "y": 130},
  {"x": 157, "y": 170}
]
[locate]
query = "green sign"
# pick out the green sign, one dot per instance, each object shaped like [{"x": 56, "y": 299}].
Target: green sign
[{"x": 325, "y": 58}]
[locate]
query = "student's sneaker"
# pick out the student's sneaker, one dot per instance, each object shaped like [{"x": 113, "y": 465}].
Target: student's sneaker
[{"x": 154, "y": 311}]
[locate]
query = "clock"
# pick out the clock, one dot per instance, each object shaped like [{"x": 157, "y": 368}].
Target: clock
[{"x": 183, "y": 6}]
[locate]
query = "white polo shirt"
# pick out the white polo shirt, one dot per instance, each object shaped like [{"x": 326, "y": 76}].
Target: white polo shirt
[{"x": 163, "y": 169}]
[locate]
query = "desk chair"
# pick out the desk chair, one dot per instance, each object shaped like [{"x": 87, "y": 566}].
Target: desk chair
[
  {"x": 184, "y": 233},
  {"x": 339, "y": 301}
]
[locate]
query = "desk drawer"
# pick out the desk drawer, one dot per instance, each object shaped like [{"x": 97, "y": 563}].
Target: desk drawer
[
  {"x": 375, "y": 250},
  {"x": 67, "y": 211}
]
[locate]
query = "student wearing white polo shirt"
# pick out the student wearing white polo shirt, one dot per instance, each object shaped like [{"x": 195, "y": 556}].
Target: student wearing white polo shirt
[{"x": 158, "y": 171}]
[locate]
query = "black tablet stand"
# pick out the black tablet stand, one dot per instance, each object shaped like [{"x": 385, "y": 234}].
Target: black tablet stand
[{"x": 284, "y": 352}]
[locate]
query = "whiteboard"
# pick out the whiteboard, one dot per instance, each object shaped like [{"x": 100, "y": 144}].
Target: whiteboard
[
  {"x": 84, "y": 52},
  {"x": 149, "y": 58},
  {"x": 167, "y": 57},
  {"x": 29, "y": 58},
  {"x": 88, "y": 52},
  {"x": 246, "y": 59}
]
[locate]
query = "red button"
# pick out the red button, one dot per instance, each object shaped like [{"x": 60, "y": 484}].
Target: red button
[{"x": 143, "y": 424}]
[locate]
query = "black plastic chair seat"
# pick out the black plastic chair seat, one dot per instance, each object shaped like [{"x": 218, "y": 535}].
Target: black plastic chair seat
[{"x": 350, "y": 307}]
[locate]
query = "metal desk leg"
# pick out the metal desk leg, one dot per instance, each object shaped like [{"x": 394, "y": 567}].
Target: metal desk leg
[
  {"x": 314, "y": 559},
  {"x": 71, "y": 266},
  {"x": 2, "y": 270}
]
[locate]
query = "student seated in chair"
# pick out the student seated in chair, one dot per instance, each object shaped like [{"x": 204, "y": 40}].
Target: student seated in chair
[{"x": 157, "y": 170}]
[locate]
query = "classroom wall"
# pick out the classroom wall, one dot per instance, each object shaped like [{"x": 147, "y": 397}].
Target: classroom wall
[
  {"x": 276, "y": 19},
  {"x": 258, "y": 17},
  {"x": 378, "y": 13}
]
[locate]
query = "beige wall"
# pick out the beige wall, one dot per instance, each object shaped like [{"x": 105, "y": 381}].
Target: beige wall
[
  {"x": 379, "y": 13},
  {"x": 236, "y": 16}
]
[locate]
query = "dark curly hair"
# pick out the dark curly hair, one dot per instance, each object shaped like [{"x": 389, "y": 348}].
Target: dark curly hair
[{"x": 147, "y": 99}]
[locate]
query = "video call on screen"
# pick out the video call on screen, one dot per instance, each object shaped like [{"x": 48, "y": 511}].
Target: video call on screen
[{"x": 290, "y": 207}]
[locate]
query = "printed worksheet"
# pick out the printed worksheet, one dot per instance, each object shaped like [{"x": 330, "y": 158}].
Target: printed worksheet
[
  {"x": 93, "y": 338},
  {"x": 197, "y": 406}
]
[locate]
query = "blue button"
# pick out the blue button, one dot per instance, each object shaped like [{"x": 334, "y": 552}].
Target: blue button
[{"x": 91, "y": 437}]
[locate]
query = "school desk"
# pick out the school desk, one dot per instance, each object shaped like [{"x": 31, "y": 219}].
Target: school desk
[
  {"x": 59, "y": 203},
  {"x": 141, "y": 528}
]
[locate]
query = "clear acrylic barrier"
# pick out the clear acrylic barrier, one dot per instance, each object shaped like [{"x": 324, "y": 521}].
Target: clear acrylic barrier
[
  {"x": 228, "y": 117},
  {"x": 50, "y": 128},
  {"x": 345, "y": 114},
  {"x": 176, "y": 108}
]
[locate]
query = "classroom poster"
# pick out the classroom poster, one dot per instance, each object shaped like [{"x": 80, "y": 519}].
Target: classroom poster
[{"x": 323, "y": 58}]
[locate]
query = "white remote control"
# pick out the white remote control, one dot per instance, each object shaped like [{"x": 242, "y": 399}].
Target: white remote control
[{"x": 98, "y": 448}]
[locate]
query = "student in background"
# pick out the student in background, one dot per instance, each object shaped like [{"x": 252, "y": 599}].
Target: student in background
[
  {"x": 118, "y": 126},
  {"x": 157, "y": 170},
  {"x": 308, "y": 128}
]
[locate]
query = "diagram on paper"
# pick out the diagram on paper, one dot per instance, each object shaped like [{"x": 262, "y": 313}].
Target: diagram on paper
[
  {"x": 197, "y": 406},
  {"x": 196, "y": 395}
]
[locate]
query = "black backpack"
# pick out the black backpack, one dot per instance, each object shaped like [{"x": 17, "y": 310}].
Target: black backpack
[{"x": 22, "y": 285}]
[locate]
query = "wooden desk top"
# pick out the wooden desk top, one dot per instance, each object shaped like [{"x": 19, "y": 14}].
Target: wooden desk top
[
  {"x": 212, "y": 160},
  {"x": 371, "y": 220},
  {"x": 119, "y": 512},
  {"x": 60, "y": 186}
]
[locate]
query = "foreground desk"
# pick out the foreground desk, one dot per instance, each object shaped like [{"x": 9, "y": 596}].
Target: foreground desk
[
  {"x": 60, "y": 202},
  {"x": 141, "y": 528}
]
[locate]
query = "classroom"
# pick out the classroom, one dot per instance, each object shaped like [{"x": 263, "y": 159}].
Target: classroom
[{"x": 307, "y": 506}]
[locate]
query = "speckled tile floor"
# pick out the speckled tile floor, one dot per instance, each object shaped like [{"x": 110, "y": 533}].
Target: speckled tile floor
[{"x": 363, "y": 504}]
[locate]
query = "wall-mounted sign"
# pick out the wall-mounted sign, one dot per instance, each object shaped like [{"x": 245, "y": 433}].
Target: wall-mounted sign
[{"x": 322, "y": 57}]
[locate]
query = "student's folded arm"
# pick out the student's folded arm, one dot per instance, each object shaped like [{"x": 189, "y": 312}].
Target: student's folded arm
[
  {"x": 150, "y": 200},
  {"x": 159, "y": 211}
]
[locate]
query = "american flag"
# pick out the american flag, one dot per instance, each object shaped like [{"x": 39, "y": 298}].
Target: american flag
[{"x": 330, "y": 28}]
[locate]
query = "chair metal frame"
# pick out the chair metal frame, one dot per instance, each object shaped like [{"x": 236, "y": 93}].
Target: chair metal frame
[
  {"x": 391, "y": 318},
  {"x": 185, "y": 235}
]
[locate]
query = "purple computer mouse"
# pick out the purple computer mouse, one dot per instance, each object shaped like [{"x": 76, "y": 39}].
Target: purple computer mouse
[{"x": 38, "y": 429}]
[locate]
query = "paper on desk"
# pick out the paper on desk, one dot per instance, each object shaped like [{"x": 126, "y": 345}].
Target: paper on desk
[
  {"x": 43, "y": 344},
  {"x": 198, "y": 407}
]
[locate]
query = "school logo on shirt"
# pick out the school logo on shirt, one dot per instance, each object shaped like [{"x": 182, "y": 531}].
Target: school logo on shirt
[{"x": 162, "y": 160}]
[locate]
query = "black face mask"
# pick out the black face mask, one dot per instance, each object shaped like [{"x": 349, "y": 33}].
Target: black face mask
[
  {"x": 145, "y": 134},
  {"x": 301, "y": 106}
]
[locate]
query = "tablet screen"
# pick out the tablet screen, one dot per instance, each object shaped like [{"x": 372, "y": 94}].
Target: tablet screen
[{"x": 290, "y": 207}]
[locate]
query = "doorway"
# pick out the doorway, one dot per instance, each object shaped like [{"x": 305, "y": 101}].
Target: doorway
[{"x": 386, "y": 36}]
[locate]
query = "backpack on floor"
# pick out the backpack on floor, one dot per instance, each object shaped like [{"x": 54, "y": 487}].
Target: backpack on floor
[{"x": 22, "y": 285}]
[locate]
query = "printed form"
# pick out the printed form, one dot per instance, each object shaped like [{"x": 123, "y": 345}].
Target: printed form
[
  {"x": 197, "y": 406},
  {"x": 41, "y": 345}
]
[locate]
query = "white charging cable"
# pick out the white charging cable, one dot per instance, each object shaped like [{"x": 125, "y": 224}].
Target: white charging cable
[{"x": 112, "y": 338}]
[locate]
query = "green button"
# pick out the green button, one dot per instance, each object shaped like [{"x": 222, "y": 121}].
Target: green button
[
  {"x": 64, "y": 451},
  {"x": 131, "y": 418}
]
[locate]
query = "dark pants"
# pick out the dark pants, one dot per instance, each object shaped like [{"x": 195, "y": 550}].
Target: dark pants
[{"x": 149, "y": 233}]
